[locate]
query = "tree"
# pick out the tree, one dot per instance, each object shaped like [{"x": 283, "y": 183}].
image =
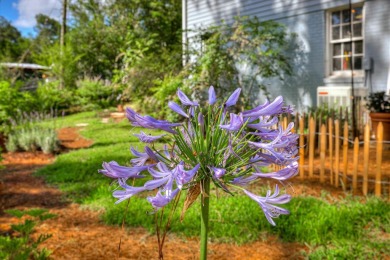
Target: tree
[
  {"x": 12, "y": 43},
  {"x": 242, "y": 54},
  {"x": 48, "y": 29}
]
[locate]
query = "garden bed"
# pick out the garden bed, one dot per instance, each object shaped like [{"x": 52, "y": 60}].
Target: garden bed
[{"x": 79, "y": 233}]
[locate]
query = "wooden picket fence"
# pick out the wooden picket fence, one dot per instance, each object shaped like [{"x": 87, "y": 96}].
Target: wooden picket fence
[{"x": 327, "y": 154}]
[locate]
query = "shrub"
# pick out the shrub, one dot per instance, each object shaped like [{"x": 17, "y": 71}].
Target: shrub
[
  {"x": 94, "y": 94},
  {"x": 50, "y": 96},
  {"x": 27, "y": 134},
  {"x": 33, "y": 138}
]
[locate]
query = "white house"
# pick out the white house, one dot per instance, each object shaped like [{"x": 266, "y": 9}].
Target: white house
[{"x": 330, "y": 33}]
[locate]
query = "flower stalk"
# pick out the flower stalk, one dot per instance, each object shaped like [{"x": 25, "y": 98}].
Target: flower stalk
[{"x": 204, "y": 220}]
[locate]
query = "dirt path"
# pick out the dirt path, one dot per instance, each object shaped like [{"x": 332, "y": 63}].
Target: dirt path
[{"x": 79, "y": 234}]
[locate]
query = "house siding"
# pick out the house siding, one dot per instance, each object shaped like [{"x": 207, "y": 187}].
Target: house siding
[
  {"x": 377, "y": 38},
  {"x": 307, "y": 18}
]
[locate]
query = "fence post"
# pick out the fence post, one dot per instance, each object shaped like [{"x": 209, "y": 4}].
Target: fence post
[
  {"x": 337, "y": 152},
  {"x": 322, "y": 153},
  {"x": 345, "y": 153},
  {"x": 355, "y": 164},
  {"x": 301, "y": 147},
  {"x": 330, "y": 125},
  {"x": 312, "y": 135},
  {"x": 379, "y": 150},
  {"x": 366, "y": 153}
]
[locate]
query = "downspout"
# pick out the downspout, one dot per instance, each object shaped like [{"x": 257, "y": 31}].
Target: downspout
[
  {"x": 185, "y": 33},
  {"x": 354, "y": 130}
]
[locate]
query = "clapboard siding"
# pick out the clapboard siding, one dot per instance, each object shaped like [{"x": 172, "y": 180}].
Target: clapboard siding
[
  {"x": 207, "y": 12},
  {"x": 307, "y": 18},
  {"x": 377, "y": 40}
]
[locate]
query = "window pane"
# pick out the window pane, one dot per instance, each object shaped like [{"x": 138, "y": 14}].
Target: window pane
[
  {"x": 336, "y": 33},
  {"x": 357, "y": 63},
  {"x": 357, "y": 30},
  {"x": 336, "y": 64},
  {"x": 337, "y": 49},
  {"x": 357, "y": 13},
  {"x": 346, "y": 16},
  {"x": 347, "y": 63},
  {"x": 358, "y": 47},
  {"x": 336, "y": 18},
  {"x": 346, "y": 31},
  {"x": 347, "y": 48}
]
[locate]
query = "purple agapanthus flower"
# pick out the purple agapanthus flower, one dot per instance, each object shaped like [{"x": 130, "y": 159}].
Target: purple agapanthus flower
[
  {"x": 218, "y": 172},
  {"x": 145, "y": 138},
  {"x": 273, "y": 108},
  {"x": 211, "y": 145},
  {"x": 140, "y": 159},
  {"x": 164, "y": 175},
  {"x": 244, "y": 181},
  {"x": 185, "y": 100},
  {"x": 236, "y": 122},
  {"x": 175, "y": 107},
  {"x": 150, "y": 122},
  {"x": 212, "y": 96},
  {"x": 114, "y": 170},
  {"x": 128, "y": 191},
  {"x": 286, "y": 173},
  {"x": 232, "y": 100},
  {"x": 160, "y": 200},
  {"x": 266, "y": 203}
]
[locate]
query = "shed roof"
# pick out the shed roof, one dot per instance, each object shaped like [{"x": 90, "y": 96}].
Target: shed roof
[{"x": 24, "y": 66}]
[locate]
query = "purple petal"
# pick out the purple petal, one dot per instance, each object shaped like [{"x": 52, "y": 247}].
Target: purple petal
[
  {"x": 151, "y": 154},
  {"x": 183, "y": 176},
  {"x": 236, "y": 121},
  {"x": 129, "y": 191},
  {"x": 271, "y": 211},
  {"x": 147, "y": 138},
  {"x": 175, "y": 107},
  {"x": 232, "y": 100},
  {"x": 283, "y": 174},
  {"x": 185, "y": 100},
  {"x": 271, "y": 109},
  {"x": 160, "y": 200},
  {"x": 244, "y": 181},
  {"x": 154, "y": 184},
  {"x": 218, "y": 172},
  {"x": 114, "y": 170},
  {"x": 142, "y": 157},
  {"x": 212, "y": 96}
]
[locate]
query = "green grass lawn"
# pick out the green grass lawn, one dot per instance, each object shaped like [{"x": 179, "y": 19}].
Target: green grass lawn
[{"x": 342, "y": 229}]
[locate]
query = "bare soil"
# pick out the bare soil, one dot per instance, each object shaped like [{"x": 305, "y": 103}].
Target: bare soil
[{"x": 78, "y": 233}]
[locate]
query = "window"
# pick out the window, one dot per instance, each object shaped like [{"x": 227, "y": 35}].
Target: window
[{"x": 346, "y": 39}]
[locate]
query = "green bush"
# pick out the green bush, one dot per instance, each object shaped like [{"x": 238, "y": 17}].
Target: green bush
[
  {"x": 94, "y": 94},
  {"x": 50, "y": 96}
]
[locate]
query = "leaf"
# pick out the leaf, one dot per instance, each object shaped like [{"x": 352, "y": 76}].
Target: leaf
[
  {"x": 15, "y": 212},
  {"x": 192, "y": 195}
]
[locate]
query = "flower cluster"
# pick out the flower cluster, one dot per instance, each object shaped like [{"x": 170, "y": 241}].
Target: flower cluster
[{"x": 232, "y": 150}]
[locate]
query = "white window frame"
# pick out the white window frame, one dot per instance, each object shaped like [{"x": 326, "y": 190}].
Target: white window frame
[{"x": 329, "y": 44}]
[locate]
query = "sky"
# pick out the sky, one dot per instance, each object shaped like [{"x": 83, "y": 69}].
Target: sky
[{"x": 21, "y": 13}]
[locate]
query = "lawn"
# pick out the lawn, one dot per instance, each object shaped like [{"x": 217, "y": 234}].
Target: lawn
[{"x": 344, "y": 227}]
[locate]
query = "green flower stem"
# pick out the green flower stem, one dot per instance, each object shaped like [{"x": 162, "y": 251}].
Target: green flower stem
[{"x": 204, "y": 224}]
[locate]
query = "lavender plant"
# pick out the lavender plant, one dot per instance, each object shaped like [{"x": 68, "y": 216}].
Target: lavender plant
[{"x": 211, "y": 146}]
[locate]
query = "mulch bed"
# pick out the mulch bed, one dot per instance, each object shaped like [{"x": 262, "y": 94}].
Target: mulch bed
[{"x": 78, "y": 233}]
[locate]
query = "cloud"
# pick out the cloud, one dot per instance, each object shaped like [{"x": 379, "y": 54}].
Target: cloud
[{"x": 28, "y": 9}]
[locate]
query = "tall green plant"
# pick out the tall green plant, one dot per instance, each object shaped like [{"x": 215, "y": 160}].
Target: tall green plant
[
  {"x": 241, "y": 54},
  {"x": 64, "y": 62}
]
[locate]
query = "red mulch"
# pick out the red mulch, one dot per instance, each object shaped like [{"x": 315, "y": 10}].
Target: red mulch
[{"x": 79, "y": 233}]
